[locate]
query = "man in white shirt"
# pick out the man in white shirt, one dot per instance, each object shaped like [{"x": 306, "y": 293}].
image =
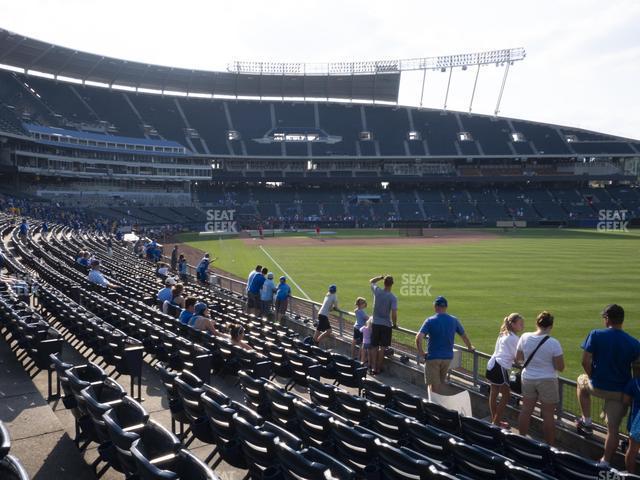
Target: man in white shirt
[
  {"x": 96, "y": 277},
  {"x": 330, "y": 302}
]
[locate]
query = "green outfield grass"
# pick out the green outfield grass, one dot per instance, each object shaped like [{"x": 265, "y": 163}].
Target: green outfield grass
[{"x": 572, "y": 273}]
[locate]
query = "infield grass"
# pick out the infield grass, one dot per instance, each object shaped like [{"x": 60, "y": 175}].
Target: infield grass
[{"x": 572, "y": 273}]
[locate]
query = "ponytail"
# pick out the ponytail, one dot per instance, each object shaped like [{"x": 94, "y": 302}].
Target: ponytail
[{"x": 507, "y": 324}]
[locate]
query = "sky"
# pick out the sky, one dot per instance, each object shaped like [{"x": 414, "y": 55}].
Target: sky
[{"x": 582, "y": 67}]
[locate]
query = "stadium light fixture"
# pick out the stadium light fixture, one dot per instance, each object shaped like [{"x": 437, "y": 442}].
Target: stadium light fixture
[{"x": 442, "y": 63}]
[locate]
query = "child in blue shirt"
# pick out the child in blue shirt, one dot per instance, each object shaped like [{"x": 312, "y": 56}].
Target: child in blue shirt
[{"x": 361, "y": 319}]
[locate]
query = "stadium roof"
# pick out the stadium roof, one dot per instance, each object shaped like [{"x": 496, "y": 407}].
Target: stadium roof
[{"x": 30, "y": 54}]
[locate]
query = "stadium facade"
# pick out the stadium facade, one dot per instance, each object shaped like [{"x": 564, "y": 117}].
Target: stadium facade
[{"x": 333, "y": 148}]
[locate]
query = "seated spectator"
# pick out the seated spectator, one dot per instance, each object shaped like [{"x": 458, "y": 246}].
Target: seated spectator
[
  {"x": 96, "y": 277},
  {"x": 164, "y": 294},
  {"x": 202, "y": 320},
  {"x": 24, "y": 228},
  {"x": 608, "y": 357},
  {"x": 540, "y": 378},
  {"x": 188, "y": 310},
  {"x": 177, "y": 300},
  {"x": 163, "y": 270},
  {"x": 85, "y": 260},
  {"x": 237, "y": 337}
]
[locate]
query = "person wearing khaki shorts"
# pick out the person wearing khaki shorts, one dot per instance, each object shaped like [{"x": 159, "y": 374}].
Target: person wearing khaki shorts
[
  {"x": 435, "y": 372},
  {"x": 543, "y": 358},
  {"x": 440, "y": 330},
  {"x": 609, "y": 356},
  {"x": 614, "y": 408}
]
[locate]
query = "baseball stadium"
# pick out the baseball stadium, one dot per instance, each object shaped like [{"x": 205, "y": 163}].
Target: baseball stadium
[{"x": 110, "y": 169}]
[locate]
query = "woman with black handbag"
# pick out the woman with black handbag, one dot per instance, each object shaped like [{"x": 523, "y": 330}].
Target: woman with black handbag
[
  {"x": 504, "y": 355},
  {"x": 543, "y": 359}
]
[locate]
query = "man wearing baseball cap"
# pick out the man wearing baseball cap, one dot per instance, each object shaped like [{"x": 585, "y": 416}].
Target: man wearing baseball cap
[
  {"x": 330, "y": 302},
  {"x": 441, "y": 330},
  {"x": 164, "y": 294},
  {"x": 385, "y": 319}
]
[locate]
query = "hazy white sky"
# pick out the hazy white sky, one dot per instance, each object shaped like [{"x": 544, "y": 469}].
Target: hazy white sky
[{"x": 582, "y": 67}]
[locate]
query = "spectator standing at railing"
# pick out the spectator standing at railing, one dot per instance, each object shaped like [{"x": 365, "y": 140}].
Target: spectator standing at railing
[
  {"x": 544, "y": 358},
  {"x": 282, "y": 299},
  {"x": 202, "y": 270},
  {"x": 440, "y": 330},
  {"x": 608, "y": 357},
  {"x": 330, "y": 302},
  {"x": 253, "y": 295},
  {"x": 385, "y": 318},
  {"x": 266, "y": 295},
  {"x": 252, "y": 274},
  {"x": 174, "y": 258},
  {"x": 503, "y": 358},
  {"x": 361, "y": 319},
  {"x": 182, "y": 269}
]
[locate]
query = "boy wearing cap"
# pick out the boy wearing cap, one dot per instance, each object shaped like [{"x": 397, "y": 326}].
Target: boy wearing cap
[
  {"x": 330, "y": 302},
  {"x": 441, "y": 329},
  {"x": 266, "y": 295},
  {"x": 282, "y": 299}
]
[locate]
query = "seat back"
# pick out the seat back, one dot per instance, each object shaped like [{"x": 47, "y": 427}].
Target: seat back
[
  {"x": 314, "y": 424},
  {"x": 402, "y": 463},
  {"x": 526, "y": 451},
  {"x": 429, "y": 441},
  {"x": 441, "y": 417},
  {"x": 476, "y": 462},
  {"x": 377, "y": 392},
  {"x": 354, "y": 447},
  {"x": 309, "y": 464},
  {"x": 407, "y": 404},
  {"x": 479, "y": 432},
  {"x": 388, "y": 423},
  {"x": 352, "y": 407},
  {"x": 569, "y": 466},
  {"x": 281, "y": 405},
  {"x": 322, "y": 394},
  {"x": 520, "y": 473}
]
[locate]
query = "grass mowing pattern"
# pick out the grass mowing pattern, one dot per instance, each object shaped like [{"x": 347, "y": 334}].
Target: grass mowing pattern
[{"x": 572, "y": 273}]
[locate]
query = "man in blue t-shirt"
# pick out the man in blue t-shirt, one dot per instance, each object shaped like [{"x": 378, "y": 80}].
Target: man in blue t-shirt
[
  {"x": 282, "y": 298},
  {"x": 608, "y": 357},
  {"x": 253, "y": 293},
  {"x": 441, "y": 330}
]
